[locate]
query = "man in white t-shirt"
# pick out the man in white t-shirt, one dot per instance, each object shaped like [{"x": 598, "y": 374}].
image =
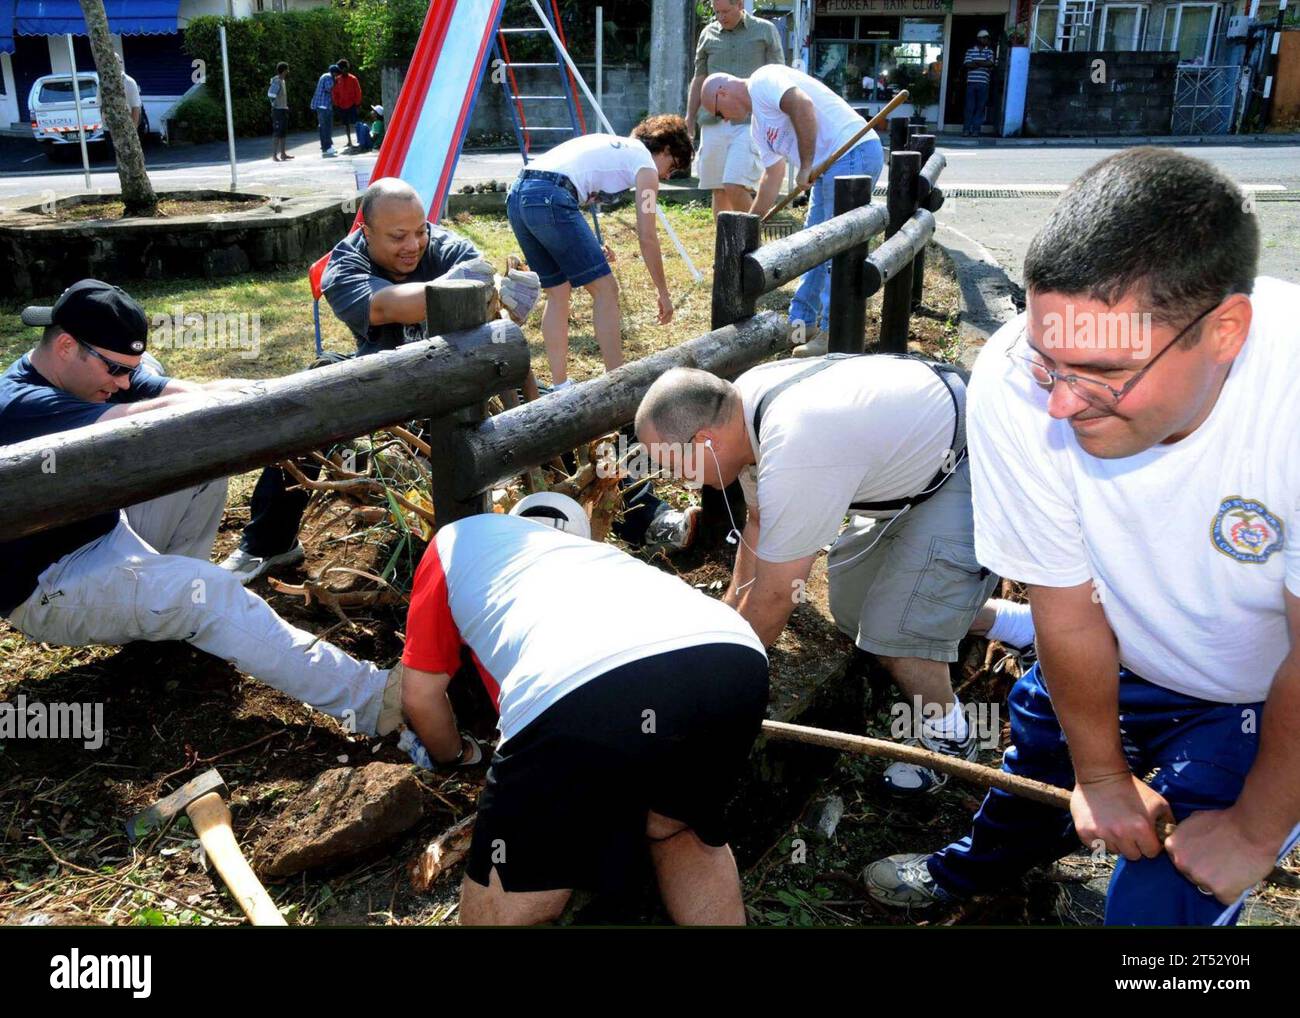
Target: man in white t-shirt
[
  {"x": 133, "y": 102},
  {"x": 881, "y": 439},
  {"x": 629, "y": 702},
  {"x": 1135, "y": 440},
  {"x": 795, "y": 119}
]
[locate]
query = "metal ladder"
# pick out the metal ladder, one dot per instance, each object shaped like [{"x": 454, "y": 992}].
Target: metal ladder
[
  {"x": 1076, "y": 24},
  {"x": 524, "y": 132}
]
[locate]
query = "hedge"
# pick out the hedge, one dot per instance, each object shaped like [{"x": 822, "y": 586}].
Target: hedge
[{"x": 308, "y": 40}]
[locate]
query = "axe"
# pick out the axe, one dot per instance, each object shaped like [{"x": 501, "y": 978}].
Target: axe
[{"x": 203, "y": 800}]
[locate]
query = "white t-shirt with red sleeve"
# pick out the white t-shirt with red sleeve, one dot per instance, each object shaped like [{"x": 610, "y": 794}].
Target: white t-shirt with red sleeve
[{"x": 542, "y": 612}]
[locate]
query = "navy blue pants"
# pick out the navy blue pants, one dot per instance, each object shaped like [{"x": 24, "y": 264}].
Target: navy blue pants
[
  {"x": 1203, "y": 751},
  {"x": 325, "y": 124},
  {"x": 977, "y": 101}
]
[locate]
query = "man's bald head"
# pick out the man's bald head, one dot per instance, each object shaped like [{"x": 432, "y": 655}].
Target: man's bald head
[
  {"x": 386, "y": 192},
  {"x": 726, "y": 96},
  {"x": 682, "y": 401},
  {"x": 397, "y": 233}
]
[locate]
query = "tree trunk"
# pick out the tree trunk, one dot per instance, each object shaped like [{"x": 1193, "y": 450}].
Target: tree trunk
[
  {"x": 672, "y": 55},
  {"x": 137, "y": 193}
]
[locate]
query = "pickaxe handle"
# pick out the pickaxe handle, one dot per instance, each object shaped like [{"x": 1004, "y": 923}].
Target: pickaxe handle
[
  {"x": 989, "y": 777},
  {"x": 830, "y": 160},
  {"x": 211, "y": 819}
]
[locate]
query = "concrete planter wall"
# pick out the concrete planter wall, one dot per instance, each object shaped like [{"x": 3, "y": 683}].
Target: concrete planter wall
[
  {"x": 1135, "y": 97},
  {"x": 44, "y": 256}
]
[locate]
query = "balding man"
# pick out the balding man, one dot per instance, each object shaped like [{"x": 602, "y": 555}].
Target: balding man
[
  {"x": 794, "y": 118},
  {"x": 374, "y": 283},
  {"x": 878, "y": 438}
]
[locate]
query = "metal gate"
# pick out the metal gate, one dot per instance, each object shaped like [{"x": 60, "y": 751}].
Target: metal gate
[{"x": 1205, "y": 99}]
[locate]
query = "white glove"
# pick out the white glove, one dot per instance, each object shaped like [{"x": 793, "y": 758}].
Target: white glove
[
  {"x": 519, "y": 291},
  {"x": 478, "y": 269}
]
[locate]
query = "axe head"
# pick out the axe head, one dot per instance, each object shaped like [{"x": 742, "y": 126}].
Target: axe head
[{"x": 160, "y": 815}]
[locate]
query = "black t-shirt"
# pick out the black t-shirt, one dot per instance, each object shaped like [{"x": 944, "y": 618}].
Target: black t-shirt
[
  {"x": 351, "y": 278},
  {"x": 30, "y": 407}
]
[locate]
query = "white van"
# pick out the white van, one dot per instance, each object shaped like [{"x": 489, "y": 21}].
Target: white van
[{"x": 53, "y": 108}]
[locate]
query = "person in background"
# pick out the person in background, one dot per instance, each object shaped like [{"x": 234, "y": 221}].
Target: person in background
[
  {"x": 979, "y": 63},
  {"x": 727, "y": 159},
  {"x": 377, "y": 126},
  {"x": 133, "y": 101},
  {"x": 278, "y": 93},
  {"x": 347, "y": 98},
  {"x": 322, "y": 101}
]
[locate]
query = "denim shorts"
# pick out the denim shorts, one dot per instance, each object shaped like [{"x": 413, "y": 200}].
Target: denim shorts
[{"x": 554, "y": 236}]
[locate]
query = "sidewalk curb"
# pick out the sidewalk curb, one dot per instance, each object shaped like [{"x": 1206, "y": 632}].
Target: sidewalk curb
[{"x": 988, "y": 296}]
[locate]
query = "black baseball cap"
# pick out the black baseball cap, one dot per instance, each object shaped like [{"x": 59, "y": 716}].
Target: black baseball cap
[{"x": 96, "y": 313}]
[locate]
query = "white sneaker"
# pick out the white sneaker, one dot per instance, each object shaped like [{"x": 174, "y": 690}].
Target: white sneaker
[
  {"x": 328, "y": 153},
  {"x": 914, "y": 779},
  {"x": 248, "y": 567}
]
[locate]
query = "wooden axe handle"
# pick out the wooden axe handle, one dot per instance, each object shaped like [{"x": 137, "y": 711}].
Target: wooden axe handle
[
  {"x": 830, "y": 160},
  {"x": 211, "y": 819}
]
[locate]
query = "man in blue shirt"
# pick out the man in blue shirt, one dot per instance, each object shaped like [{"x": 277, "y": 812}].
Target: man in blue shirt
[
  {"x": 143, "y": 573},
  {"x": 323, "y": 103},
  {"x": 979, "y": 63}
]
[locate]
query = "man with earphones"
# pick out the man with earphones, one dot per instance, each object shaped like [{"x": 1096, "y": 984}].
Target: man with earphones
[{"x": 878, "y": 438}]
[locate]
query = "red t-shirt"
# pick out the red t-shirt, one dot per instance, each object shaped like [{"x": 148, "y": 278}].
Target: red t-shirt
[{"x": 347, "y": 91}]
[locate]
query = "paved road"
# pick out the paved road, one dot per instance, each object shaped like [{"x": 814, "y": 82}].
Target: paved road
[{"x": 1004, "y": 225}]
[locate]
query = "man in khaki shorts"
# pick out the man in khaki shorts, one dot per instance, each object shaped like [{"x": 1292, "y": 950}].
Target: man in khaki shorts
[
  {"x": 881, "y": 439},
  {"x": 738, "y": 43}
]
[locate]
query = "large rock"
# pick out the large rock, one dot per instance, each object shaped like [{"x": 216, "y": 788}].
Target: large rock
[{"x": 344, "y": 813}]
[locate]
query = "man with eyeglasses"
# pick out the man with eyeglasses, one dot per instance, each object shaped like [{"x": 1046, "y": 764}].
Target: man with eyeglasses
[
  {"x": 143, "y": 573},
  {"x": 1141, "y": 475}
]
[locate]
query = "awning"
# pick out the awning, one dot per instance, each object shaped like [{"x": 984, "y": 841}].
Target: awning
[
  {"x": 6, "y": 26},
  {"x": 63, "y": 17}
]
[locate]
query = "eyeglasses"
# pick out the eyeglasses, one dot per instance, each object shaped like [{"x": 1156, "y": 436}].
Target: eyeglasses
[
  {"x": 1092, "y": 390},
  {"x": 115, "y": 369}
]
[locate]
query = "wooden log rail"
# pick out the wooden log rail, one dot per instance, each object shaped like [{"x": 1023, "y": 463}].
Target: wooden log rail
[
  {"x": 69, "y": 476},
  {"x": 499, "y": 448}
]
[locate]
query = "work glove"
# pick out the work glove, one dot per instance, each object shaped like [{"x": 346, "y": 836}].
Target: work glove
[
  {"x": 519, "y": 290},
  {"x": 411, "y": 745},
  {"x": 478, "y": 269}
]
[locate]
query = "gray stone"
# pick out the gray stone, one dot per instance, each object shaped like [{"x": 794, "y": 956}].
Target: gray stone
[{"x": 224, "y": 261}]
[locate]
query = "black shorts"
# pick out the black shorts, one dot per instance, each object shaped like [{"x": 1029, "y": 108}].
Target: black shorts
[
  {"x": 567, "y": 797},
  {"x": 279, "y": 123}
]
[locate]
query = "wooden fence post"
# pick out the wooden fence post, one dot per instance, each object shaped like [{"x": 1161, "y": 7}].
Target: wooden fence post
[
  {"x": 452, "y": 306},
  {"x": 923, "y": 144},
  {"x": 737, "y": 235},
  {"x": 900, "y": 131},
  {"x": 904, "y": 169},
  {"x": 847, "y": 317}
]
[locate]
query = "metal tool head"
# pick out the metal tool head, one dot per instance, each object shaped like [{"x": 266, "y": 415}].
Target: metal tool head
[{"x": 160, "y": 815}]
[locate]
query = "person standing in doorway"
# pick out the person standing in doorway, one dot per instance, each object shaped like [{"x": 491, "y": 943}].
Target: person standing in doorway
[{"x": 979, "y": 63}]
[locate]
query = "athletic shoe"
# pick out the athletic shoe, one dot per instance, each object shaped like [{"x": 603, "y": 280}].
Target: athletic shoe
[
  {"x": 903, "y": 881},
  {"x": 914, "y": 779},
  {"x": 328, "y": 153},
  {"x": 818, "y": 346},
  {"x": 672, "y": 528},
  {"x": 248, "y": 567}
]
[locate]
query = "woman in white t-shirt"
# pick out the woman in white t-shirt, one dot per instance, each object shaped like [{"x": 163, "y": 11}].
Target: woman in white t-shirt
[{"x": 544, "y": 208}]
